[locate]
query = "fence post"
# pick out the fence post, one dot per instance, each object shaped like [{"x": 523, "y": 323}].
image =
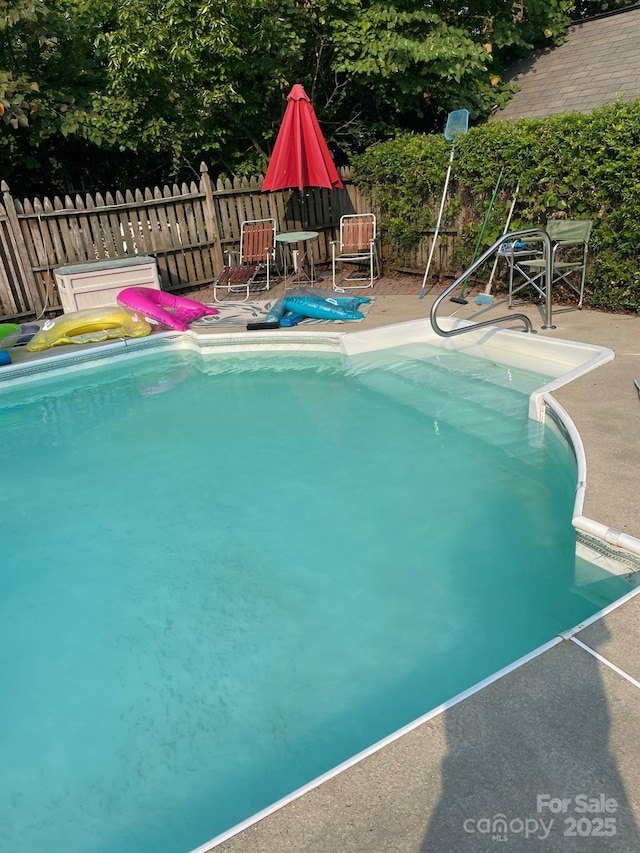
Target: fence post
[
  {"x": 211, "y": 220},
  {"x": 25, "y": 268}
]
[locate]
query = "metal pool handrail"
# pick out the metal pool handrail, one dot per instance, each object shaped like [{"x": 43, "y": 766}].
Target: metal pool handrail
[{"x": 537, "y": 233}]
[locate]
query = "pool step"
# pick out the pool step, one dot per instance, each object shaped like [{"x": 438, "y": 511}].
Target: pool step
[{"x": 483, "y": 408}]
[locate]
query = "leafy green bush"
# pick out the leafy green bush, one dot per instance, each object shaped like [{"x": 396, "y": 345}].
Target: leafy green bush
[{"x": 571, "y": 166}]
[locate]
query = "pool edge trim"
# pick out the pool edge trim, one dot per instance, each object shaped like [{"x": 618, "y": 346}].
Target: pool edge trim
[{"x": 613, "y": 539}]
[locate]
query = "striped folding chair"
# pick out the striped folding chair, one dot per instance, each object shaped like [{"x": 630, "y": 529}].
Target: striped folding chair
[
  {"x": 249, "y": 268},
  {"x": 358, "y": 244}
]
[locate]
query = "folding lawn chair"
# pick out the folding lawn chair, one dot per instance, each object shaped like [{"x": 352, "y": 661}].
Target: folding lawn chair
[
  {"x": 358, "y": 244},
  {"x": 570, "y": 241},
  {"x": 250, "y": 268}
]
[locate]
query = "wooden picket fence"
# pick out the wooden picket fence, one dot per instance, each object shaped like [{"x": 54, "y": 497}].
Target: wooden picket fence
[{"x": 186, "y": 227}]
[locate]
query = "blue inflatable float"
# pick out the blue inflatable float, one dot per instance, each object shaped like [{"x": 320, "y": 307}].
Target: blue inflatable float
[
  {"x": 300, "y": 305},
  {"x": 329, "y": 308},
  {"x": 295, "y": 307}
]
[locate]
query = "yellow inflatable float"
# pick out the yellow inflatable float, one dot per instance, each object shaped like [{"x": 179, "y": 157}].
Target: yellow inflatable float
[{"x": 89, "y": 326}]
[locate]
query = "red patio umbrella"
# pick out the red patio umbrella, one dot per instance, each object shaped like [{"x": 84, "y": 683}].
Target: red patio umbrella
[{"x": 300, "y": 156}]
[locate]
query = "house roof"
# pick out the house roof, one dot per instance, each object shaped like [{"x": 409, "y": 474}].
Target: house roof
[{"x": 598, "y": 64}]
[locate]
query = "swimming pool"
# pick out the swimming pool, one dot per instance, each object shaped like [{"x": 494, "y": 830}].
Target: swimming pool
[{"x": 224, "y": 575}]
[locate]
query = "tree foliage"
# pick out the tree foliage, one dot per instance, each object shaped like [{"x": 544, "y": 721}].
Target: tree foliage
[
  {"x": 175, "y": 81},
  {"x": 48, "y": 76}
]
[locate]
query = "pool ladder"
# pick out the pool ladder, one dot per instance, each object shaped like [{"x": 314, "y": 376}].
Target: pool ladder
[{"x": 531, "y": 233}]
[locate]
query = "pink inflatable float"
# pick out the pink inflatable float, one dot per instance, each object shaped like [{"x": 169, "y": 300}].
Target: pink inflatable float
[{"x": 154, "y": 304}]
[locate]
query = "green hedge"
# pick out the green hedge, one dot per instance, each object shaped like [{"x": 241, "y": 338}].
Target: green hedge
[{"x": 574, "y": 166}]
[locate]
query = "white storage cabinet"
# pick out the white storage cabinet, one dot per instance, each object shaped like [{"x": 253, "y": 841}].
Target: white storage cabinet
[{"x": 97, "y": 284}]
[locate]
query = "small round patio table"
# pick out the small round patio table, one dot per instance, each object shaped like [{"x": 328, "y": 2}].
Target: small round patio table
[{"x": 294, "y": 240}]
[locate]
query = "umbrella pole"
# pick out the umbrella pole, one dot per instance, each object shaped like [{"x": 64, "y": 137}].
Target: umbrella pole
[{"x": 299, "y": 258}]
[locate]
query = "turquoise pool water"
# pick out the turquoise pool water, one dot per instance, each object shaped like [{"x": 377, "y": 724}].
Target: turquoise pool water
[{"x": 222, "y": 577}]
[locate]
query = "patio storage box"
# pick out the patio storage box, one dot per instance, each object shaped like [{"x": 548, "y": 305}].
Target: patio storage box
[{"x": 97, "y": 284}]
